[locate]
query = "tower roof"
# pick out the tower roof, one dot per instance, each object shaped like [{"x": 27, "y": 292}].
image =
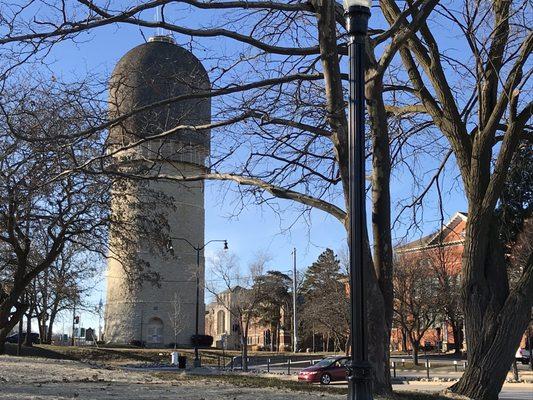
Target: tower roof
[{"x": 154, "y": 72}]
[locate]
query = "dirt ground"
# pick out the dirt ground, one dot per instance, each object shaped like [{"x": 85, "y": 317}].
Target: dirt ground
[{"x": 40, "y": 379}]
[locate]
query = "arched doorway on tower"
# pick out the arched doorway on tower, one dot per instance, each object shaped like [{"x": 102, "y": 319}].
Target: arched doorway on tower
[{"x": 155, "y": 331}]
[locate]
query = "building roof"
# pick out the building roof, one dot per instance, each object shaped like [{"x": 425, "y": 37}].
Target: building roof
[
  {"x": 439, "y": 236},
  {"x": 435, "y": 238},
  {"x": 153, "y": 72}
]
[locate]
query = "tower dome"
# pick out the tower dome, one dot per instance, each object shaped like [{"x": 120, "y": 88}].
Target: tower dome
[{"x": 154, "y": 72}]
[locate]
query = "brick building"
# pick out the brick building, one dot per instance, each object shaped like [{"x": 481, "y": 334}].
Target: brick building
[{"x": 442, "y": 251}]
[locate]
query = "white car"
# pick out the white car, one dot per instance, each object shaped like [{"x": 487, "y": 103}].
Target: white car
[{"x": 522, "y": 355}]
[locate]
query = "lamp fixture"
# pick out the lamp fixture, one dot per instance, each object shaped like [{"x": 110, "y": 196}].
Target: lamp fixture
[{"x": 356, "y": 3}]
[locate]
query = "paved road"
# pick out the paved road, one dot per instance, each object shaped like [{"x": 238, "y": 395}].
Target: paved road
[
  {"x": 440, "y": 368},
  {"x": 510, "y": 391}
]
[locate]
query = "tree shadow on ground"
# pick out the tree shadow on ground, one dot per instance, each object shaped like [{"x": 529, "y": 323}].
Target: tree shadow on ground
[{"x": 36, "y": 351}]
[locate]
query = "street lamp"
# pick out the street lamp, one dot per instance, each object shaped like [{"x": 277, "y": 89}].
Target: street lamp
[
  {"x": 198, "y": 249},
  {"x": 357, "y": 13}
]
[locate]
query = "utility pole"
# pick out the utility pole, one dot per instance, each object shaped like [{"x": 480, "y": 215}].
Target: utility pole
[
  {"x": 314, "y": 350},
  {"x": 294, "y": 321},
  {"x": 73, "y": 323},
  {"x": 197, "y": 362},
  {"x": 100, "y": 306}
]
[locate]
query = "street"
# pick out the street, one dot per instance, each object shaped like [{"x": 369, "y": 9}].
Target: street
[{"x": 439, "y": 368}]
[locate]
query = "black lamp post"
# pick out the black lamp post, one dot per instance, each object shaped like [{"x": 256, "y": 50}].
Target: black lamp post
[
  {"x": 357, "y": 13},
  {"x": 198, "y": 249}
]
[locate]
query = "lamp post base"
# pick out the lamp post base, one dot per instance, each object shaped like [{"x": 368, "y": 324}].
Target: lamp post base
[
  {"x": 359, "y": 381},
  {"x": 196, "y": 363}
]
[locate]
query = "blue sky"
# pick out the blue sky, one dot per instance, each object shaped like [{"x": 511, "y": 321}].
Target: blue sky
[{"x": 255, "y": 229}]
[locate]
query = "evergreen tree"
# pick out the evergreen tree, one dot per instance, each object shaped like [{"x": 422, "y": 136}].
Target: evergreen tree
[
  {"x": 326, "y": 302},
  {"x": 274, "y": 286}
]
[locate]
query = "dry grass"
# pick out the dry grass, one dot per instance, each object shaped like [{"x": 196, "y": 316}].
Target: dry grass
[
  {"x": 110, "y": 355},
  {"x": 253, "y": 381}
]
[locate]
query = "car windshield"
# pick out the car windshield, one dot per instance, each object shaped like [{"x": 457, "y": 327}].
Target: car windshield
[{"x": 325, "y": 362}]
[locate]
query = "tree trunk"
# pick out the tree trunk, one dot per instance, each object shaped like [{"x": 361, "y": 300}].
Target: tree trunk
[
  {"x": 8, "y": 320},
  {"x": 50, "y": 326},
  {"x": 244, "y": 353},
  {"x": 347, "y": 345},
  {"x": 28, "y": 341},
  {"x": 381, "y": 261},
  {"x": 278, "y": 337},
  {"x": 245, "y": 361},
  {"x": 495, "y": 318},
  {"x": 378, "y": 336},
  {"x": 457, "y": 337},
  {"x": 416, "y": 346},
  {"x": 487, "y": 370},
  {"x": 404, "y": 341}
]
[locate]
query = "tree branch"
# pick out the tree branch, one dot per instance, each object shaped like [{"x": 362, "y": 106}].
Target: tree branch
[{"x": 279, "y": 192}]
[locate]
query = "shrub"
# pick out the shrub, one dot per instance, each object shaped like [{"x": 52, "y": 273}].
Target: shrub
[{"x": 202, "y": 340}]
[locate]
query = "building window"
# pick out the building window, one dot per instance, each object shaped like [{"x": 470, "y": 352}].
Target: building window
[{"x": 221, "y": 322}]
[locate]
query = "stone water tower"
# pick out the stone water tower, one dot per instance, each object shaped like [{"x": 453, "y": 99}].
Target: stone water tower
[{"x": 150, "y": 73}]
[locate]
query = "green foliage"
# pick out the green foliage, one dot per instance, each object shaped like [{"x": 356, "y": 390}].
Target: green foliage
[
  {"x": 274, "y": 287},
  {"x": 326, "y": 303},
  {"x": 323, "y": 273},
  {"x": 516, "y": 201}
]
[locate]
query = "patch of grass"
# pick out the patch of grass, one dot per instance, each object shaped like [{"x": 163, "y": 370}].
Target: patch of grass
[
  {"x": 101, "y": 354},
  {"x": 251, "y": 381},
  {"x": 115, "y": 353},
  {"x": 254, "y": 381},
  {"x": 419, "y": 396}
]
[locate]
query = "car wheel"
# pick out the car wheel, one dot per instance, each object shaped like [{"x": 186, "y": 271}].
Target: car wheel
[{"x": 325, "y": 379}]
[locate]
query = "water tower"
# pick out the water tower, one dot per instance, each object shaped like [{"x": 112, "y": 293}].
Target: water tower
[{"x": 153, "y": 73}]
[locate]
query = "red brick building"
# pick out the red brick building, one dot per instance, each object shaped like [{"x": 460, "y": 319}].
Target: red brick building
[{"x": 442, "y": 252}]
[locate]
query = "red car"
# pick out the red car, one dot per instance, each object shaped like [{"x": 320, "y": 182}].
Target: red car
[{"x": 327, "y": 370}]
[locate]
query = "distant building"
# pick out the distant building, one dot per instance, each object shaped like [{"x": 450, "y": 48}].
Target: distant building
[
  {"x": 221, "y": 322},
  {"x": 443, "y": 248}
]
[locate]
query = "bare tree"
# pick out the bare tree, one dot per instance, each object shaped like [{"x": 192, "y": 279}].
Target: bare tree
[
  {"x": 39, "y": 215},
  {"x": 176, "y": 317},
  {"x": 43, "y": 214},
  {"x": 238, "y": 294},
  {"x": 416, "y": 300},
  {"x": 484, "y": 129},
  {"x": 61, "y": 285},
  {"x": 448, "y": 285}
]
